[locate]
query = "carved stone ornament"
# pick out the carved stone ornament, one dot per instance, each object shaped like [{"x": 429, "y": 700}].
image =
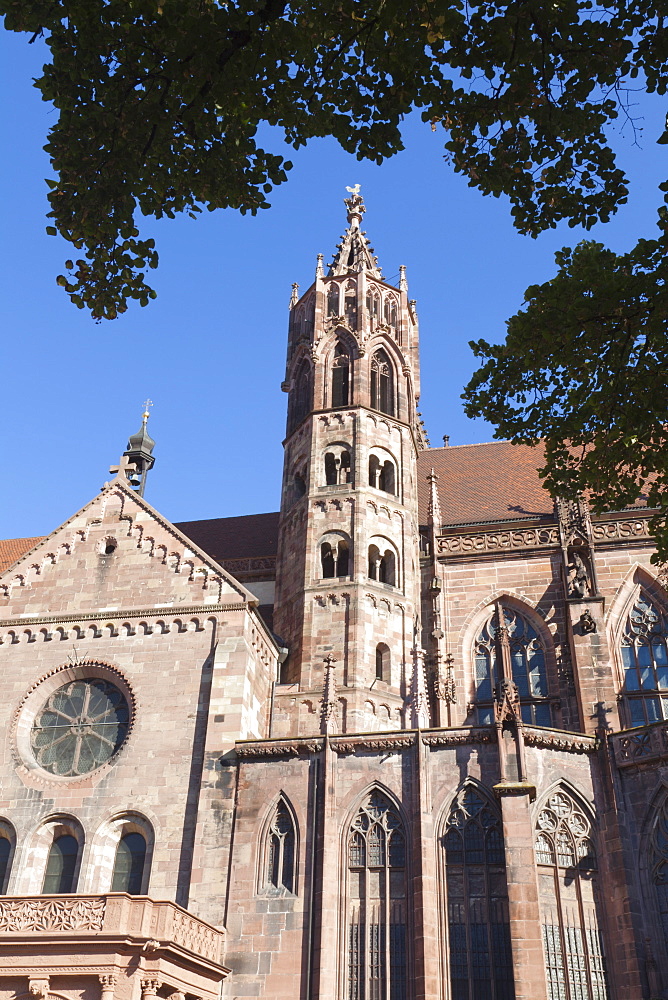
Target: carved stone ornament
[
  {"x": 587, "y": 623},
  {"x": 578, "y": 574},
  {"x": 19, "y": 915},
  {"x": 39, "y": 988}
]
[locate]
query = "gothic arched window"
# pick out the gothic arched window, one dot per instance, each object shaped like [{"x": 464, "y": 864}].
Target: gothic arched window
[
  {"x": 280, "y": 851},
  {"x": 377, "y": 960},
  {"x": 659, "y": 864},
  {"x": 301, "y": 395},
  {"x": 527, "y": 656},
  {"x": 333, "y": 299},
  {"x": 350, "y": 305},
  {"x": 383, "y": 662},
  {"x": 645, "y": 661},
  {"x": 373, "y": 308},
  {"x": 129, "y": 864},
  {"x": 481, "y": 962},
  {"x": 61, "y": 865},
  {"x": 340, "y": 377},
  {"x": 382, "y": 387},
  {"x": 574, "y": 956},
  {"x": 391, "y": 312}
]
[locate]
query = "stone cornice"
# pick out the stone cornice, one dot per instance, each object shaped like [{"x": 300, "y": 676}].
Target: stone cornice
[
  {"x": 117, "y": 614},
  {"x": 514, "y": 536}
]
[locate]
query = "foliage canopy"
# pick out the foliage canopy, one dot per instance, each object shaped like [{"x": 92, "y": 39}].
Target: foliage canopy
[{"x": 160, "y": 102}]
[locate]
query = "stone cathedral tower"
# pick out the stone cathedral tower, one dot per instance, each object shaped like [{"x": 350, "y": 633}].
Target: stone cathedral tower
[{"x": 348, "y": 563}]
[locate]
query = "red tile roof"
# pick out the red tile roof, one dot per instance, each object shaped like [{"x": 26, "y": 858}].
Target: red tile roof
[
  {"x": 484, "y": 482},
  {"x": 12, "y": 549},
  {"x": 248, "y": 536}
]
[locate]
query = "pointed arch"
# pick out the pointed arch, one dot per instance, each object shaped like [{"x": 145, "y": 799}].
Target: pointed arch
[
  {"x": 530, "y": 645},
  {"x": 653, "y": 864},
  {"x": 382, "y": 382},
  {"x": 638, "y": 634},
  {"x": 566, "y": 858},
  {"x": 376, "y": 853},
  {"x": 341, "y": 372},
  {"x": 279, "y": 850},
  {"x": 476, "y": 919},
  {"x": 301, "y": 393}
]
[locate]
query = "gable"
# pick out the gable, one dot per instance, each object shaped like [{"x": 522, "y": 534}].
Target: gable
[{"x": 115, "y": 553}]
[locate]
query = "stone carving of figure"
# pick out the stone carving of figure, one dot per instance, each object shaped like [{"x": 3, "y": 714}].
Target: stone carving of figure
[{"x": 578, "y": 576}]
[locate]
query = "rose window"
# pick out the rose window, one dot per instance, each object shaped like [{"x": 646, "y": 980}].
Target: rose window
[{"x": 80, "y": 727}]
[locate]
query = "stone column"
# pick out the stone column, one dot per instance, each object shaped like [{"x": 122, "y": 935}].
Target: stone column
[
  {"x": 427, "y": 944},
  {"x": 149, "y": 988},
  {"x": 327, "y": 882},
  {"x": 107, "y": 987},
  {"x": 524, "y": 908}
]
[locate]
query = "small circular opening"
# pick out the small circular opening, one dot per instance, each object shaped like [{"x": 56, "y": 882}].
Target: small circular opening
[{"x": 108, "y": 546}]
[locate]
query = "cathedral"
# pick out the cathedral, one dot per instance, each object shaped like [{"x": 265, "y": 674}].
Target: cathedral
[{"x": 406, "y": 739}]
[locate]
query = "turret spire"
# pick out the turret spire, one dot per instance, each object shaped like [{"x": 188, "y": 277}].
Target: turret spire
[
  {"x": 353, "y": 253},
  {"x": 140, "y": 453}
]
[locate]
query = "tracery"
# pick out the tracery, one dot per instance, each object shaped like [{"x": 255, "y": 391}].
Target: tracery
[{"x": 644, "y": 651}]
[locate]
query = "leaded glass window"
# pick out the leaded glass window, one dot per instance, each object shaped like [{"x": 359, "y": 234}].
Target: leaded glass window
[
  {"x": 659, "y": 864},
  {"x": 645, "y": 662},
  {"x": 477, "y": 901},
  {"x": 61, "y": 865},
  {"x": 81, "y": 726},
  {"x": 377, "y": 961},
  {"x": 280, "y": 851},
  {"x": 569, "y": 902},
  {"x": 129, "y": 864},
  {"x": 527, "y": 655}
]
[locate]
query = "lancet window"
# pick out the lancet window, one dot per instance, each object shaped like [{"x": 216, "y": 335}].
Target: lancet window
[
  {"x": 280, "y": 851},
  {"x": 377, "y": 959},
  {"x": 333, "y": 299},
  {"x": 383, "y": 662},
  {"x": 527, "y": 656},
  {"x": 373, "y": 308},
  {"x": 341, "y": 377},
  {"x": 302, "y": 394},
  {"x": 382, "y": 383},
  {"x": 645, "y": 661},
  {"x": 391, "y": 312},
  {"x": 659, "y": 865},
  {"x": 573, "y": 943},
  {"x": 60, "y": 874},
  {"x": 477, "y": 901},
  {"x": 129, "y": 864},
  {"x": 382, "y": 565},
  {"x": 350, "y": 305},
  {"x": 334, "y": 558}
]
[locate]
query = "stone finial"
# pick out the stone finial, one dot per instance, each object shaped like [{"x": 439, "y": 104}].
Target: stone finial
[
  {"x": 419, "y": 699},
  {"x": 294, "y": 297},
  {"x": 319, "y": 270},
  {"x": 403, "y": 283},
  {"x": 328, "y": 703},
  {"x": 434, "y": 508},
  {"x": 353, "y": 253}
]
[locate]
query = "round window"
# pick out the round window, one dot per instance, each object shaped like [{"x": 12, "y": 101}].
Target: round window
[{"x": 81, "y": 725}]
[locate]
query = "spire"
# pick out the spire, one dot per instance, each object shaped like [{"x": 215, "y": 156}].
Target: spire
[
  {"x": 434, "y": 509},
  {"x": 353, "y": 253},
  {"x": 140, "y": 453}
]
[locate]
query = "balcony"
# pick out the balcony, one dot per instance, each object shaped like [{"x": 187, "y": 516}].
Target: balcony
[
  {"x": 61, "y": 942},
  {"x": 641, "y": 746}
]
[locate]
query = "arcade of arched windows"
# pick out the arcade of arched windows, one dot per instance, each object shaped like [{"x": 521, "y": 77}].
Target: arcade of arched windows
[
  {"x": 334, "y": 556},
  {"x": 383, "y": 562},
  {"x": 120, "y": 862},
  {"x": 526, "y": 650},
  {"x": 382, "y": 473},
  {"x": 337, "y": 465}
]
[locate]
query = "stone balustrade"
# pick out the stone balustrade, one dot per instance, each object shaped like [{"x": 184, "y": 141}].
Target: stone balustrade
[{"x": 645, "y": 745}]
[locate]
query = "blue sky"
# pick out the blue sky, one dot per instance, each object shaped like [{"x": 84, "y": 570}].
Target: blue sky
[{"x": 210, "y": 351}]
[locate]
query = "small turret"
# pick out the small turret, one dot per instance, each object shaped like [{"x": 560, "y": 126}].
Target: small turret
[{"x": 140, "y": 453}]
